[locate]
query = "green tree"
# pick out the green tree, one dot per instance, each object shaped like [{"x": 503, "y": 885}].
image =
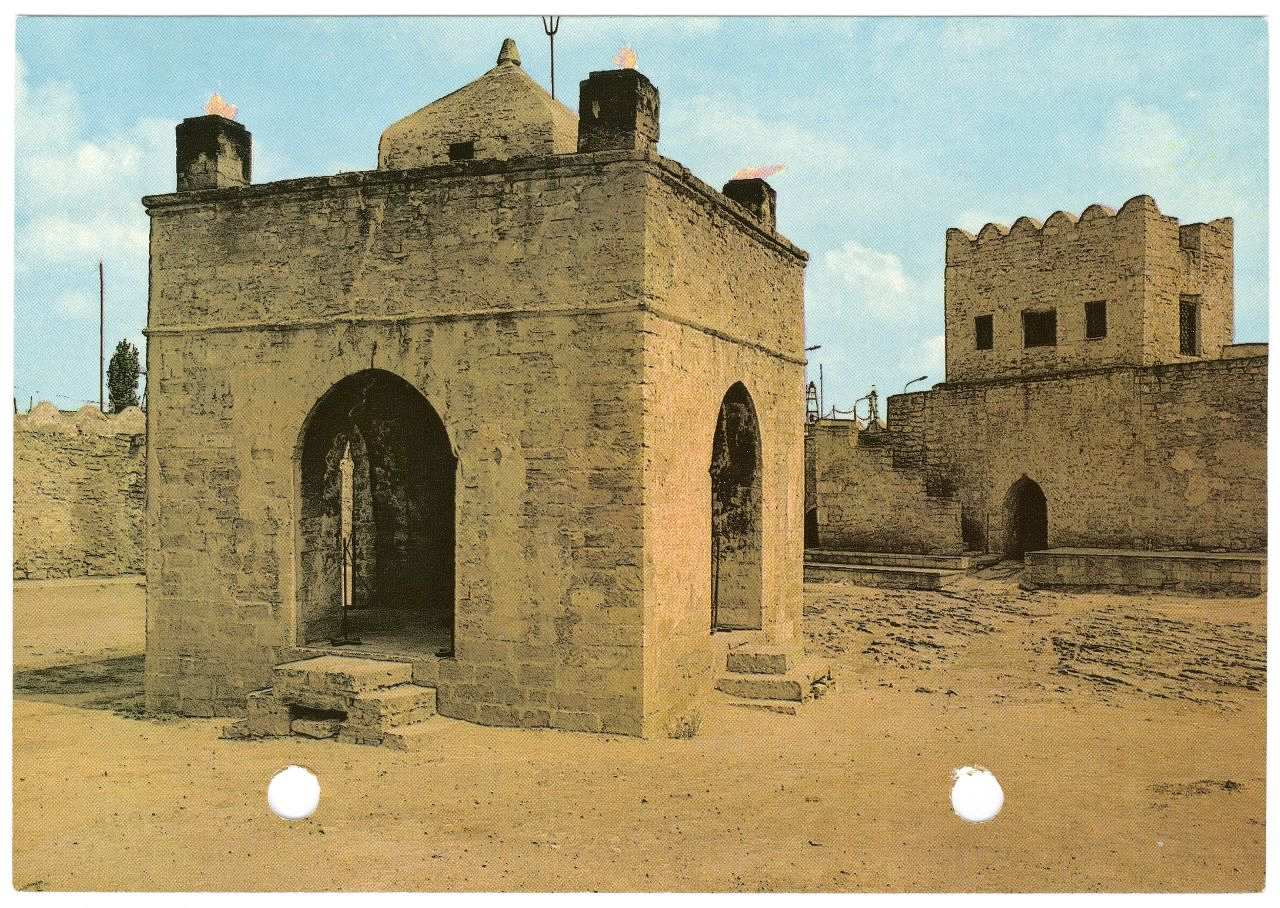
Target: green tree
[{"x": 122, "y": 377}]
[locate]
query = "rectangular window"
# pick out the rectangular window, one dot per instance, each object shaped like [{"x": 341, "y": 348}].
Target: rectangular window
[
  {"x": 1040, "y": 329},
  {"x": 1095, "y": 320},
  {"x": 461, "y": 151},
  {"x": 982, "y": 332},
  {"x": 1189, "y": 326}
]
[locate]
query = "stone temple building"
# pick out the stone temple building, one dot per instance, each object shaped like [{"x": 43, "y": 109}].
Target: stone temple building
[
  {"x": 1095, "y": 414},
  {"x": 506, "y": 428}
]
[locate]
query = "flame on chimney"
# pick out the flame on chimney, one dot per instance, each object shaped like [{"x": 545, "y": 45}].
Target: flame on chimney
[
  {"x": 625, "y": 59},
  {"x": 758, "y": 173},
  {"x": 220, "y": 107}
]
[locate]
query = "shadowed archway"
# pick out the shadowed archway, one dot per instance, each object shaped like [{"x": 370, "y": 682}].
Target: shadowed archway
[
  {"x": 736, "y": 515},
  {"x": 1026, "y": 519},
  {"x": 377, "y": 478}
]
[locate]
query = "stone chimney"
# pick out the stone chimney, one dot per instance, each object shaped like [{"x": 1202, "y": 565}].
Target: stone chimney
[
  {"x": 213, "y": 153},
  {"x": 758, "y": 197},
  {"x": 617, "y": 109}
]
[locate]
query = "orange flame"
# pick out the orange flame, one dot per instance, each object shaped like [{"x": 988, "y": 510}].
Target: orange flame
[
  {"x": 220, "y": 107},
  {"x": 625, "y": 59},
  {"x": 758, "y": 173}
]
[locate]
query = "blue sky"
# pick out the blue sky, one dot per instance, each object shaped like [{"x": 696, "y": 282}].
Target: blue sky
[{"x": 891, "y": 131}]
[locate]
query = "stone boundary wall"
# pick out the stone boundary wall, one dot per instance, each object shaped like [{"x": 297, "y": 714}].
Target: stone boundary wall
[
  {"x": 79, "y": 493},
  {"x": 867, "y": 503},
  {"x": 1161, "y": 458},
  {"x": 1127, "y": 571}
]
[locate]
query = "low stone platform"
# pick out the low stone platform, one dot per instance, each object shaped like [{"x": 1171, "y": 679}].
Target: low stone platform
[
  {"x": 1129, "y": 570},
  {"x": 966, "y": 562},
  {"x": 356, "y": 700},
  {"x": 885, "y": 576},
  {"x": 890, "y": 570}
]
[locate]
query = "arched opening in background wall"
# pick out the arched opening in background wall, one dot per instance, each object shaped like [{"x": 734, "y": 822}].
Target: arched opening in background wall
[
  {"x": 736, "y": 515},
  {"x": 811, "y": 528},
  {"x": 1026, "y": 519},
  {"x": 394, "y": 515}
]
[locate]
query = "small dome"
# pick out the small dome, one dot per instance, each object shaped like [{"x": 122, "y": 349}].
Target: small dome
[{"x": 503, "y": 114}]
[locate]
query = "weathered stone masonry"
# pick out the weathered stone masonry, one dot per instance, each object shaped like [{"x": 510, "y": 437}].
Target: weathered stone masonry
[
  {"x": 78, "y": 493},
  {"x": 1162, "y": 457},
  {"x": 1143, "y": 429},
  {"x": 574, "y": 319}
]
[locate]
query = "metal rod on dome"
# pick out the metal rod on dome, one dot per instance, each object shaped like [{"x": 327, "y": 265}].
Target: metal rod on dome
[{"x": 551, "y": 25}]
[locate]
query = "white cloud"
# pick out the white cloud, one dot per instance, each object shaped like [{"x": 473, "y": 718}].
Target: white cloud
[
  {"x": 47, "y": 116},
  {"x": 76, "y": 304},
  {"x": 931, "y": 354},
  {"x": 61, "y": 238},
  {"x": 79, "y": 195},
  {"x": 970, "y": 35},
  {"x": 747, "y": 139},
  {"x": 1144, "y": 138},
  {"x": 879, "y": 284}
]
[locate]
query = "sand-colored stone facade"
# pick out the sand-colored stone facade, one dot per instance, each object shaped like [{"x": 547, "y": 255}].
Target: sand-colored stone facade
[
  {"x": 862, "y": 502},
  {"x": 1162, "y": 457},
  {"x": 1118, "y": 442},
  {"x": 78, "y": 493},
  {"x": 563, "y": 330},
  {"x": 1140, "y": 264}
]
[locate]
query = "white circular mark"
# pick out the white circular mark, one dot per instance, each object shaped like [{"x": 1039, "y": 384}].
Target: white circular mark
[
  {"x": 294, "y": 793},
  {"x": 976, "y": 796}
]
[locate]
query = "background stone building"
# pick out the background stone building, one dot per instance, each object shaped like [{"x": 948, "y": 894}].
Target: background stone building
[
  {"x": 1093, "y": 398},
  {"x": 555, "y": 376}
]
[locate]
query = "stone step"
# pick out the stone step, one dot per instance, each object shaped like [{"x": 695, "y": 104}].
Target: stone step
[
  {"x": 896, "y": 559},
  {"x": 390, "y": 707},
  {"x": 796, "y": 686},
  {"x": 761, "y": 659},
  {"x": 418, "y": 736},
  {"x": 315, "y": 728},
  {"x": 883, "y": 576},
  {"x": 781, "y": 707},
  {"x": 331, "y": 682}
]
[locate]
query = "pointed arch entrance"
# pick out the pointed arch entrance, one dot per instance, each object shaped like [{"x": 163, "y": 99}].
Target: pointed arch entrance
[
  {"x": 1026, "y": 519},
  {"x": 736, "y": 515},
  {"x": 377, "y": 482}
]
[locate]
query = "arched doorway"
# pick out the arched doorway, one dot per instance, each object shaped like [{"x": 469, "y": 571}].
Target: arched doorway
[
  {"x": 377, "y": 479},
  {"x": 1026, "y": 519},
  {"x": 811, "y": 528},
  {"x": 736, "y": 514}
]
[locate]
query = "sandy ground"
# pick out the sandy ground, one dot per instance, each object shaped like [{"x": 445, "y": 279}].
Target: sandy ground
[
  {"x": 60, "y": 622},
  {"x": 1127, "y": 732}
]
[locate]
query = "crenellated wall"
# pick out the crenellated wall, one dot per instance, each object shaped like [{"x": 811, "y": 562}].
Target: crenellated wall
[
  {"x": 1137, "y": 261},
  {"x": 79, "y": 493}
]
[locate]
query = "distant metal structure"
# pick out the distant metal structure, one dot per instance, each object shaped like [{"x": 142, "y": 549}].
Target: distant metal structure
[
  {"x": 873, "y": 406},
  {"x": 551, "y": 25},
  {"x": 812, "y": 412}
]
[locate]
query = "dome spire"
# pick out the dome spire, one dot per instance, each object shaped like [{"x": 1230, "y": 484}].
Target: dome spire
[{"x": 509, "y": 53}]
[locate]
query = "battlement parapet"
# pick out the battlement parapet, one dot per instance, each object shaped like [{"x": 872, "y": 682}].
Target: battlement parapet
[
  {"x": 88, "y": 420},
  {"x": 964, "y": 247}
]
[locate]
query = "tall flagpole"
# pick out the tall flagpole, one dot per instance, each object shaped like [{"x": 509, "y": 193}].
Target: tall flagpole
[{"x": 102, "y": 337}]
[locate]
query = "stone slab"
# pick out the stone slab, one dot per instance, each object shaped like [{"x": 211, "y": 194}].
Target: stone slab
[
  {"x": 761, "y": 660},
  {"x": 414, "y": 737},
  {"x": 315, "y": 728}
]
